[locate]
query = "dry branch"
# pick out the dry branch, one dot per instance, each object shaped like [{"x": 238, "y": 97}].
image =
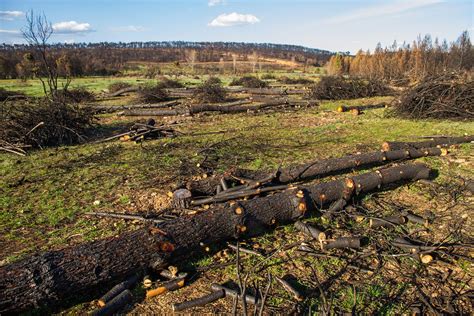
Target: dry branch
[{"x": 48, "y": 278}]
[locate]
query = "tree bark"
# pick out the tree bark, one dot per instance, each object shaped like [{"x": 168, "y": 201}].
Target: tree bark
[
  {"x": 124, "y": 90},
  {"x": 49, "y": 278},
  {"x": 435, "y": 142},
  {"x": 315, "y": 169},
  {"x": 361, "y": 108},
  {"x": 116, "y": 108}
]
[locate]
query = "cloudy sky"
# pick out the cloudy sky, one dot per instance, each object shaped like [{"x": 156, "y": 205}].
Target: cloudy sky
[{"x": 337, "y": 25}]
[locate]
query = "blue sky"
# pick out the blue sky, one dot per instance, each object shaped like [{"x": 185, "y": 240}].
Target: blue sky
[{"x": 333, "y": 25}]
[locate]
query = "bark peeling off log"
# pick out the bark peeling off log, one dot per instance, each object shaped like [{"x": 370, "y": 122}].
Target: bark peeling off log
[{"x": 48, "y": 278}]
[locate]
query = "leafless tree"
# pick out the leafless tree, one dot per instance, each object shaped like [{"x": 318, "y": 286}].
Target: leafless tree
[
  {"x": 37, "y": 32},
  {"x": 191, "y": 58}
]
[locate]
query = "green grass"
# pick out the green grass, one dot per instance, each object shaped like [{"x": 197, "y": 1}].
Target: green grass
[{"x": 43, "y": 197}]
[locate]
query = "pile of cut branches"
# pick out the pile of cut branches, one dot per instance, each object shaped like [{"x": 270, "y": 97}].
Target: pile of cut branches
[
  {"x": 249, "y": 82},
  {"x": 139, "y": 132},
  {"x": 339, "y": 88},
  {"x": 152, "y": 93},
  {"x": 211, "y": 91},
  {"x": 79, "y": 95},
  {"x": 6, "y": 94},
  {"x": 117, "y": 86},
  {"x": 288, "y": 80},
  {"x": 42, "y": 123},
  {"x": 166, "y": 83},
  {"x": 447, "y": 96}
]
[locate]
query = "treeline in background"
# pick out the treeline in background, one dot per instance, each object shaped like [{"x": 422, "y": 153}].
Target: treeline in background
[
  {"x": 408, "y": 62},
  {"x": 104, "y": 59}
]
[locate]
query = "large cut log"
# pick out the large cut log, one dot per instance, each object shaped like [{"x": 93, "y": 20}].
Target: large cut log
[
  {"x": 361, "y": 108},
  {"x": 116, "y": 108},
  {"x": 435, "y": 142},
  {"x": 47, "y": 279},
  {"x": 198, "y": 108},
  {"x": 155, "y": 112},
  {"x": 315, "y": 169},
  {"x": 124, "y": 90},
  {"x": 264, "y": 91}
]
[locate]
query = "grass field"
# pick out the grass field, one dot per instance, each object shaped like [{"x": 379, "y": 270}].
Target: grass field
[{"x": 43, "y": 197}]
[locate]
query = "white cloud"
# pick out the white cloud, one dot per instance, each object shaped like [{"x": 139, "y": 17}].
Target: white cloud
[
  {"x": 69, "y": 41},
  {"x": 233, "y": 19},
  {"x": 9, "y": 31},
  {"x": 129, "y": 28},
  {"x": 10, "y": 15},
  {"x": 382, "y": 10},
  {"x": 71, "y": 27},
  {"x": 212, "y": 3}
]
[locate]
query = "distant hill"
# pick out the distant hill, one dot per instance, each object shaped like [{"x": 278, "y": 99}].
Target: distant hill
[{"x": 106, "y": 57}]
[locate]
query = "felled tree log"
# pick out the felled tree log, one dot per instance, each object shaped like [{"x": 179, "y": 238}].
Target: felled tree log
[
  {"x": 361, "y": 108},
  {"x": 124, "y": 90},
  {"x": 116, "y": 108},
  {"x": 317, "y": 168},
  {"x": 48, "y": 278},
  {"x": 198, "y": 108},
  {"x": 155, "y": 112},
  {"x": 435, "y": 142},
  {"x": 264, "y": 91}
]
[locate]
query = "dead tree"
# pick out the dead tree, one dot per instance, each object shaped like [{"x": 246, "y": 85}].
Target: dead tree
[{"x": 49, "y": 278}]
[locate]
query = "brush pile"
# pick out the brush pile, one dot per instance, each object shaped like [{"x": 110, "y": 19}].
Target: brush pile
[
  {"x": 79, "y": 95},
  {"x": 166, "y": 83},
  {"x": 117, "y": 86},
  {"x": 152, "y": 94},
  {"x": 42, "y": 123},
  {"x": 211, "y": 91},
  {"x": 447, "y": 96},
  {"x": 249, "y": 82},
  {"x": 5, "y": 94},
  {"x": 288, "y": 80},
  {"x": 339, "y": 88}
]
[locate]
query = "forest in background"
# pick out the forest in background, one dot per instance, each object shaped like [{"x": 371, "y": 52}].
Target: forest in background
[
  {"x": 424, "y": 57},
  {"x": 82, "y": 59}
]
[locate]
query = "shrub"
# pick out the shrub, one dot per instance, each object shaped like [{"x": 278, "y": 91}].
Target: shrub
[
  {"x": 249, "y": 82},
  {"x": 210, "y": 91}
]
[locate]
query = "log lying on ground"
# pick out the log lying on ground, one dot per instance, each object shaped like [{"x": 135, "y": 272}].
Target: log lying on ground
[
  {"x": 435, "y": 142},
  {"x": 222, "y": 108},
  {"x": 117, "y": 108},
  {"x": 264, "y": 91},
  {"x": 155, "y": 112},
  {"x": 194, "y": 109},
  {"x": 48, "y": 278},
  {"x": 317, "y": 168},
  {"x": 124, "y": 90},
  {"x": 360, "y": 108}
]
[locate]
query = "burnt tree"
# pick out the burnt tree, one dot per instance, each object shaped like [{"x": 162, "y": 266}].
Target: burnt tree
[{"x": 49, "y": 278}]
